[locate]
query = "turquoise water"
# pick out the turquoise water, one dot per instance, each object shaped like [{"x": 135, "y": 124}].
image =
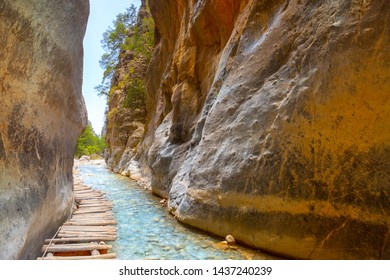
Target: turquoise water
[{"x": 146, "y": 230}]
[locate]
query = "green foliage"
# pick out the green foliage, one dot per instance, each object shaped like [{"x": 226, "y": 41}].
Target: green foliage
[
  {"x": 112, "y": 43},
  {"x": 140, "y": 43},
  {"x": 89, "y": 143},
  {"x": 132, "y": 41},
  {"x": 141, "y": 40}
]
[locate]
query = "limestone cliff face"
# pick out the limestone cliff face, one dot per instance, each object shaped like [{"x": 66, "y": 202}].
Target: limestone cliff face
[
  {"x": 126, "y": 114},
  {"x": 269, "y": 120},
  {"x": 42, "y": 113}
]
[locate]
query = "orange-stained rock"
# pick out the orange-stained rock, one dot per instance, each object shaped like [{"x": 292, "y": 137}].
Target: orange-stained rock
[
  {"x": 42, "y": 114},
  {"x": 269, "y": 120}
]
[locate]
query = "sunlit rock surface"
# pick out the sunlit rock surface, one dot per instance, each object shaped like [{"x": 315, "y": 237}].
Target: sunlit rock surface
[
  {"x": 42, "y": 113},
  {"x": 269, "y": 120},
  {"x": 124, "y": 125}
]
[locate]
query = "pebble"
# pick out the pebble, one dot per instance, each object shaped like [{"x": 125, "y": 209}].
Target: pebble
[
  {"x": 95, "y": 253},
  {"x": 230, "y": 239},
  {"x": 163, "y": 201}
]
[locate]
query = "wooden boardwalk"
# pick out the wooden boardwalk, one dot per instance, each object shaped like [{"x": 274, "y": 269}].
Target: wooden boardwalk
[{"x": 84, "y": 235}]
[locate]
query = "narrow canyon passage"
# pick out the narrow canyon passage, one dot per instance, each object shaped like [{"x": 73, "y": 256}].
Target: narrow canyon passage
[
  {"x": 147, "y": 231},
  {"x": 264, "y": 120}
]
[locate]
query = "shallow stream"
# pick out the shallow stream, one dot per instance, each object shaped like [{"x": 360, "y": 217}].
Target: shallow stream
[{"x": 145, "y": 228}]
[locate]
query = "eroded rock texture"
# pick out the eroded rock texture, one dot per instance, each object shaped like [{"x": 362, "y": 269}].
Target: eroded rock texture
[
  {"x": 269, "y": 120},
  {"x": 42, "y": 113}
]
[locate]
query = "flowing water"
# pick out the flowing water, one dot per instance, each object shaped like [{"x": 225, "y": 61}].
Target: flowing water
[{"x": 145, "y": 228}]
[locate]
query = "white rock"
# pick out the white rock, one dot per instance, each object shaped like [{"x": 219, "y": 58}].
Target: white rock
[{"x": 230, "y": 239}]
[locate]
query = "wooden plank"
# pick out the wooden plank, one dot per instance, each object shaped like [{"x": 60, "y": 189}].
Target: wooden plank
[
  {"x": 100, "y": 205},
  {"x": 71, "y": 230},
  {"x": 89, "y": 228},
  {"x": 79, "y": 244},
  {"x": 97, "y": 257},
  {"x": 81, "y": 197},
  {"x": 101, "y": 215},
  {"x": 88, "y": 219},
  {"x": 103, "y": 223},
  {"x": 83, "y": 207},
  {"x": 87, "y": 232},
  {"x": 83, "y": 235},
  {"x": 79, "y": 212},
  {"x": 108, "y": 213},
  {"x": 81, "y": 239},
  {"x": 89, "y": 195},
  {"x": 94, "y": 200},
  {"x": 80, "y": 188},
  {"x": 100, "y": 202},
  {"x": 92, "y": 210},
  {"x": 96, "y": 205},
  {"x": 90, "y": 222},
  {"x": 101, "y": 212},
  {"x": 67, "y": 248},
  {"x": 80, "y": 191},
  {"x": 85, "y": 191},
  {"x": 88, "y": 208},
  {"x": 88, "y": 192},
  {"x": 96, "y": 218}
]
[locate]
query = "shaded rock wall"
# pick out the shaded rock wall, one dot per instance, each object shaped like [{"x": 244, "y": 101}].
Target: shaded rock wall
[
  {"x": 268, "y": 120},
  {"x": 42, "y": 114}
]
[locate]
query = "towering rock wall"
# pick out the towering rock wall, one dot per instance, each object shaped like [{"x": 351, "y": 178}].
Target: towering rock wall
[
  {"x": 269, "y": 120},
  {"x": 42, "y": 113}
]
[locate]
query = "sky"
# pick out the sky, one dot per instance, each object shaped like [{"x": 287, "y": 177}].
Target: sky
[{"x": 102, "y": 14}]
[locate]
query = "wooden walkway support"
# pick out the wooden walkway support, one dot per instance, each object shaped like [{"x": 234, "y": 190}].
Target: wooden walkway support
[{"x": 84, "y": 235}]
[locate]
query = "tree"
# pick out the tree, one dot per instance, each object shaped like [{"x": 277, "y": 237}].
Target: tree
[
  {"x": 112, "y": 43},
  {"x": 89, "y": 143}
]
